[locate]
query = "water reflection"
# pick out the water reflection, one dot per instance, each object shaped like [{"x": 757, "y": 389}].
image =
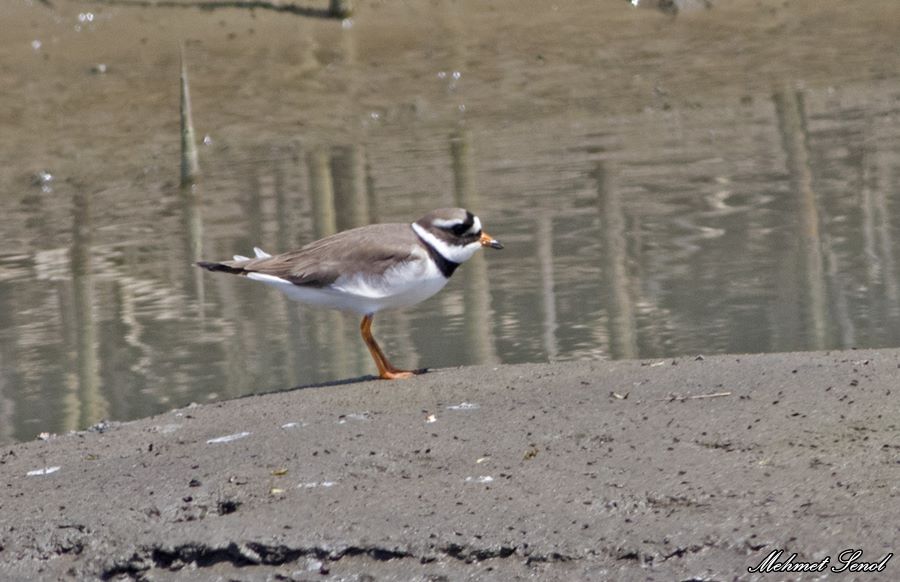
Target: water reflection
[
  {"x": 622, "y": 326},
  {"x": 769, "y": 227},
  {"x": 478, "y": 337},
  {"x": 84, "y": 403}
]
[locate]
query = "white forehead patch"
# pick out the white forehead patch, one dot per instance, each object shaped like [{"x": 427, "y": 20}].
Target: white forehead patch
[
  {"x": 453, "y": 253},
  {"x": 475, "y": 228},
  {"x": 441, "y": 223}
]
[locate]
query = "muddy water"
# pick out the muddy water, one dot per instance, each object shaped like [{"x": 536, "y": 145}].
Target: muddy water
[{"x": 719, "y": 180}]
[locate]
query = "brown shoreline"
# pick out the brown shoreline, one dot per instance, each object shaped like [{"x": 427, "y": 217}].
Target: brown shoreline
[{"x": 688, "y": 469}]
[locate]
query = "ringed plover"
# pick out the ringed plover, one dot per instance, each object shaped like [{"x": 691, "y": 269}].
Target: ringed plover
[{"x": 371, "y": 268}]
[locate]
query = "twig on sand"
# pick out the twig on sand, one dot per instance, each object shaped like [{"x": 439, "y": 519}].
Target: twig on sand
[
  {"x": 273, "y": 5},
  {"x": 682, "y": 398}
]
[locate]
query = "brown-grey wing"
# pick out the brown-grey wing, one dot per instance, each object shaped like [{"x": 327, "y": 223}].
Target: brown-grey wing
[{"x": 370, "y": 249}]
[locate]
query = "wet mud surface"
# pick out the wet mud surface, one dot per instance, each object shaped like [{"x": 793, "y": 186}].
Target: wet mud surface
[{"x": 685, "y": 469}]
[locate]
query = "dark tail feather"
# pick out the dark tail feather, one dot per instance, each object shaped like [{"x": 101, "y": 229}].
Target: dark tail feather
[{"x": 221, "y": 267}]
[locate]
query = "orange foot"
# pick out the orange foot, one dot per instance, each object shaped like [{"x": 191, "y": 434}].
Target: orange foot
[
  {"x": 386, "y": 371},
  {"x": 396, "y": 374}
]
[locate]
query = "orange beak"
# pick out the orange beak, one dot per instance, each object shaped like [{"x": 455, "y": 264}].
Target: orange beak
[{"x": 487, "y": 241}]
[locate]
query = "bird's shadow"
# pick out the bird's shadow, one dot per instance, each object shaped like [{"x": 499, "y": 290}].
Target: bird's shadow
[{"x": 329, "y": 383}]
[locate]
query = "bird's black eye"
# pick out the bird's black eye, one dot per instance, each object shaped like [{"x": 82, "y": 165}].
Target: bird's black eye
[{"x": 460, "y": 229}]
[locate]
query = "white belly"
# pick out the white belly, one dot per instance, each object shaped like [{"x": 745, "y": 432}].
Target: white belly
[{"x": 401, "y": 286}]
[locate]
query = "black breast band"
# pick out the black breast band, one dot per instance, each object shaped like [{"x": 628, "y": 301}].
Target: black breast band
[{"x": 443, "y": 264}]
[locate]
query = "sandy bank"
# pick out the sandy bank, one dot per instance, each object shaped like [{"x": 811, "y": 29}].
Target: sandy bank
[{"x": 692, "y": 469}]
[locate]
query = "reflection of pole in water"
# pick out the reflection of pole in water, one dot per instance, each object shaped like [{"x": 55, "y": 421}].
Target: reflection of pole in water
[
  {"x": 89, "y": 405},
  {"x": 285, "y": 240},
  {"x": 544, "y": 238},
  {"x": 877, "y": 239},
  {"x": 10, "y": 366},
  {"x": 322, "y": 191},
  {"x": 263, "y": 321},
  {"x": 247, "y": 352},
  {"x": 372, "y": 193},
  {"x": 327, "y": 327},
  {"x": 190, "y": 166},
  {"x": 622, "y": 321},
  {"x": 477, "y": 316},
  {"x": 351, "y": 198},
  {"x": 792, "y": 125},
  {"x": 7, "y": 406},
  {"x": 192, "y": 226},
  {"x": 253, "y": 208},
  {"x": 464, "y": 190}
]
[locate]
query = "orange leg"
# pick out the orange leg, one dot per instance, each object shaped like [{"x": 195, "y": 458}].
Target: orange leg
[{"x": 385, "y": 369}]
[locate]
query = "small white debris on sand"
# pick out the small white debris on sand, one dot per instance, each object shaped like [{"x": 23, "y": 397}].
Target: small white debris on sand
[
  {"x": 315, "y": 484},
  {"x": 227, "y": 438},
  {"x": 342, "y": 419},
  {"x": 44, "y": 471},
  {"x": 480, "y": 479},
  {"x": 463, "y": 406}
]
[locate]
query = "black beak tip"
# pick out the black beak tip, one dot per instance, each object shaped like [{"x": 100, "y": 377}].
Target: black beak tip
[{"x": 495, "y": 244}]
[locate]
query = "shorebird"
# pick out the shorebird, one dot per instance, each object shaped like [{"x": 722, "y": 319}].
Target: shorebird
[{"x": 368, "y": 269}]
